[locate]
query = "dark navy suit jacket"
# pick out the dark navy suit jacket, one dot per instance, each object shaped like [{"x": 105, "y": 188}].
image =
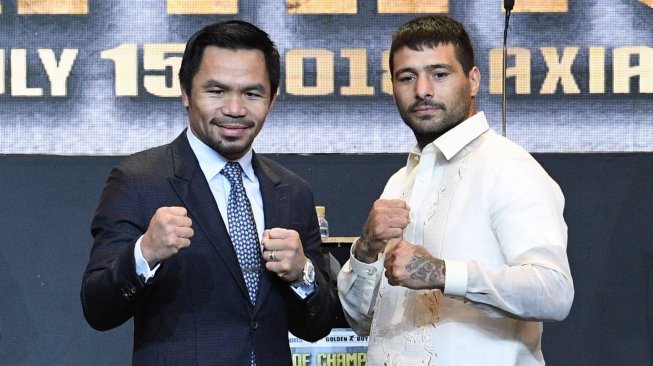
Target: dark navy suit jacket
[{"x": 196, "y": 310}]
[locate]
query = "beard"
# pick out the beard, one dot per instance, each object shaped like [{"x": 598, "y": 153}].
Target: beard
[
  {"x": 232, "y": 147},
  {"x": 427, "y": 129}
]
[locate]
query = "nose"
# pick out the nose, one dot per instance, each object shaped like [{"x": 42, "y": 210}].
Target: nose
[
  {"x": 234, "y": 107},
  {"x": 424, "y": 87}
]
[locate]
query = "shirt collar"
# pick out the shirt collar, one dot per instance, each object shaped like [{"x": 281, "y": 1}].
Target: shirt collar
[
  {"x": 458, "y": 137},
  {"x": 212, "y": 163}
]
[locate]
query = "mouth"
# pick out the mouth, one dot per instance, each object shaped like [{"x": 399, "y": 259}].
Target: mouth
[
  {"x": 232, "y": 129},
  {"x": 423, "y": 109}
]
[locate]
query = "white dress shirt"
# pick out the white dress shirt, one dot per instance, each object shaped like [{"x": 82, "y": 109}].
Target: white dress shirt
[{"x": 486, "y": 207}]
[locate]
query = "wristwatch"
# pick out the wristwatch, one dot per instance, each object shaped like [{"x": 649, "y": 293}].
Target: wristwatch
[{"x": 308, "y": 274}]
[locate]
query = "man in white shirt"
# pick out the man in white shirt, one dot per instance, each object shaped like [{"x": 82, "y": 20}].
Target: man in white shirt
[{"x": 464, "y": 255}]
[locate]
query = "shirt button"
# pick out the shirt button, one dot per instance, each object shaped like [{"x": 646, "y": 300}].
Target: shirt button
[
  {"x": 254, "y": 324},
  {"x": 371, "y": 271}
]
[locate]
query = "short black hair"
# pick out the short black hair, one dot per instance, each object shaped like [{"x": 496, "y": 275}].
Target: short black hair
[
  {"x": 233, "y": 35},
  {"x": 431, "y": 31}
]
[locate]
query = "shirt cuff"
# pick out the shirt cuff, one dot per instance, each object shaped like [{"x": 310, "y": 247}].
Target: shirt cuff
[
  {"x": 455, "y": 280},
  {"x": 303, "y": 290},
  {"x": 142, "y": 267},
  {"x": 370, "y": 271}
]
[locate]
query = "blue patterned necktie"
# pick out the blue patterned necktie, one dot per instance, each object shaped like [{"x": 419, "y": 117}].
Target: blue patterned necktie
[{"x": 242, "y": 229}]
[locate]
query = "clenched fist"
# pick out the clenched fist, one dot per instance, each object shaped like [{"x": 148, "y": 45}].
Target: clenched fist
[
  {"x": 170, "y": 230},
  {"x": 284, "y": 253},
  {"x": 387, "y": 220},
  {"x": 412, "y": 266}
]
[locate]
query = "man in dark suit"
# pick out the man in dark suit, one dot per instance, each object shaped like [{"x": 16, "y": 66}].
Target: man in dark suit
[{"x": 165, "y": 249}]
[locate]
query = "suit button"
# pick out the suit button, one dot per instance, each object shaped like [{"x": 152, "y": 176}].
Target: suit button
[
  {"x": 254, "y": 324},
  {"x": 128, "y": 291}
]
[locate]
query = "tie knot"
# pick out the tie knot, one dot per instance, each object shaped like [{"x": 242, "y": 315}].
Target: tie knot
[{"x": 233, "y": 172}]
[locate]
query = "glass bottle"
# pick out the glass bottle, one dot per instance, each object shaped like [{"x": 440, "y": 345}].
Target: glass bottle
[{"x": 321, "y": 219}]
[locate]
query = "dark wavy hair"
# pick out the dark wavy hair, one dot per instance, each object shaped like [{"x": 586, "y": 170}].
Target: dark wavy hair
[
  {"x": 431, "y": 31},
  {"x": 233, "y": 35}
]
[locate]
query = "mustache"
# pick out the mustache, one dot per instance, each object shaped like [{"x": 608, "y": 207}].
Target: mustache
[
  {"x": 246, "y": 123},
  {"x": 427, "y": 103}
]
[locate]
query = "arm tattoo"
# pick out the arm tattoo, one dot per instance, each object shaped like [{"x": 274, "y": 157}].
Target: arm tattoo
[{"x": 427, "y": 269}]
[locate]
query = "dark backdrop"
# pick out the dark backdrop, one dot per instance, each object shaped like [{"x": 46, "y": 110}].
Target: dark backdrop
[{"x": 47, "y": 203}]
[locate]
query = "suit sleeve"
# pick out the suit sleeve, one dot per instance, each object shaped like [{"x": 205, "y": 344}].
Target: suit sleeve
[
  {"x": 111, "y": 289},
  {"x": 312, "y": 318}
]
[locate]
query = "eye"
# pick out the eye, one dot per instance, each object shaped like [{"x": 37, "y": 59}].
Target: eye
[
  {"x": 405, "y": 78},
  {"x": 440, "y": 75},
  {"x": 251, "y": 94}
]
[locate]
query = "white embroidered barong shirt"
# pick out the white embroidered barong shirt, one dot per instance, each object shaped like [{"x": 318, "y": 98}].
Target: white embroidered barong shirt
[{"x": 485, "y": 206}]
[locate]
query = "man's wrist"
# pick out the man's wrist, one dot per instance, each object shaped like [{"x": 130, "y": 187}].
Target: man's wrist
[
  {"x": 363, "y": 254},
  {"x": 305, "y": 286},
  {"x": 308, "y": 275},
  {"x": 143, "y": 268}
]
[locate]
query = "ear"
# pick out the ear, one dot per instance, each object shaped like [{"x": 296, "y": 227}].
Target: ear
[
  {"x": 274, "y": 99},
  {"x": 185, "y": 98},
  {"x": 474, "y": 78}
]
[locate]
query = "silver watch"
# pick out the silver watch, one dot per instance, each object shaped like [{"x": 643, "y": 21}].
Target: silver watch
[{"x": 309, "y": 273}]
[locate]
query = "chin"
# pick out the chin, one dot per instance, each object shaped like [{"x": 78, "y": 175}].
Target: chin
[{"x": 232, "y": 150}]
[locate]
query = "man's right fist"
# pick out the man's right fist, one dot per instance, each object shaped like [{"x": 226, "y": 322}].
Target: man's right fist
[
  {"x": 170, "y": 230},
  {"x": 387, "y": 220}
]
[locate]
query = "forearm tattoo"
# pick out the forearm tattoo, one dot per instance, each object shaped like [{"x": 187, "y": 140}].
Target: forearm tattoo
[{"x": 425, "y": 268}]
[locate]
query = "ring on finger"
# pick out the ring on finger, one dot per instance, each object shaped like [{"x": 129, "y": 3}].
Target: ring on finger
[{"x": 273, "y": 255}]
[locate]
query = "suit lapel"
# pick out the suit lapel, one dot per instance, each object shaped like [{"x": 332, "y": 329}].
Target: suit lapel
[
  {"x": 276, "y": 207},
  {"x": 190, "y": 184}
]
